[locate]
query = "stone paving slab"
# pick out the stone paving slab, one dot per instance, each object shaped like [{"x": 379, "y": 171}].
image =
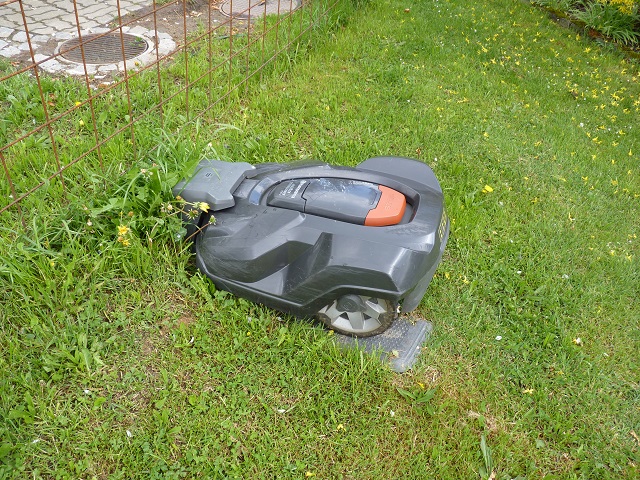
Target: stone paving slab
[{"x": 46, "y": 18}]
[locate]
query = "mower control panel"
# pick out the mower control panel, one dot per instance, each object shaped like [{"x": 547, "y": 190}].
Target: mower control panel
[{"x": 352, "y": 201}]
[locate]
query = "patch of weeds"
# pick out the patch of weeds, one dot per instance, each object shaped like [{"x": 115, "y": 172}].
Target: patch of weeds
[
  {"x": 486, "y": 471},
  {"x": 615, "y": 20},
  {"x": 419, "y": 398},
  {"x": 610, "y": 20}
]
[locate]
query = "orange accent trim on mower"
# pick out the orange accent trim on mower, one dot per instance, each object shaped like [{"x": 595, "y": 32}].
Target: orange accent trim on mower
[{"x": 389, "y": 210}]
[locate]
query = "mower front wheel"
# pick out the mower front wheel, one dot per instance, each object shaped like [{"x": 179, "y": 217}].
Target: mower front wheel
[{"x": 358, "y": 315}]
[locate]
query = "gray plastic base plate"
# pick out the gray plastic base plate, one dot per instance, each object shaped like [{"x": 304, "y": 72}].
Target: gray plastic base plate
[{"x": 399, "y": 346}]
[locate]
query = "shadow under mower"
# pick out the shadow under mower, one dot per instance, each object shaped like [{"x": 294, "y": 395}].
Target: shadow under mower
[{"x": 348, "y": 246}]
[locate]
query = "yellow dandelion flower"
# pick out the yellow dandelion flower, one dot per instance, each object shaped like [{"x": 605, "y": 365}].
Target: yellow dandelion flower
[
  {"x": 204, "y": 206},
  {"x": 487, "y": 189},
  {"x": 123, "y": 230}
]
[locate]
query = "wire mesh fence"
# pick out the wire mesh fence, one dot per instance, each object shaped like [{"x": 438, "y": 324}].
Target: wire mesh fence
[{"x": 78, "y": 84}]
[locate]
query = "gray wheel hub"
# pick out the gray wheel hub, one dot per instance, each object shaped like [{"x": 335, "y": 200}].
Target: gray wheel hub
[{"x": 356, "y": 314}]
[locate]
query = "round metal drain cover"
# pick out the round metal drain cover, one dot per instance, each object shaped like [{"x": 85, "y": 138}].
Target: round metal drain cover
[
  {"x": 248, "y": 9},
  {"x": 104, "y": 48}
]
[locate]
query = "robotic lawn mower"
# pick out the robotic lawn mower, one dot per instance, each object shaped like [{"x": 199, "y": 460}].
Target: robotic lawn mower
[{"x": 348, "y": 246}]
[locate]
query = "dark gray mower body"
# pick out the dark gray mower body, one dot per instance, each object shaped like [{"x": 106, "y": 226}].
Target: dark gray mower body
[{"x": 298, "y": 252}]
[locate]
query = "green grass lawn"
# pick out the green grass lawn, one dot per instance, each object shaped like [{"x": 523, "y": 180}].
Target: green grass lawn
[{"x": 123, "y": 362}]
